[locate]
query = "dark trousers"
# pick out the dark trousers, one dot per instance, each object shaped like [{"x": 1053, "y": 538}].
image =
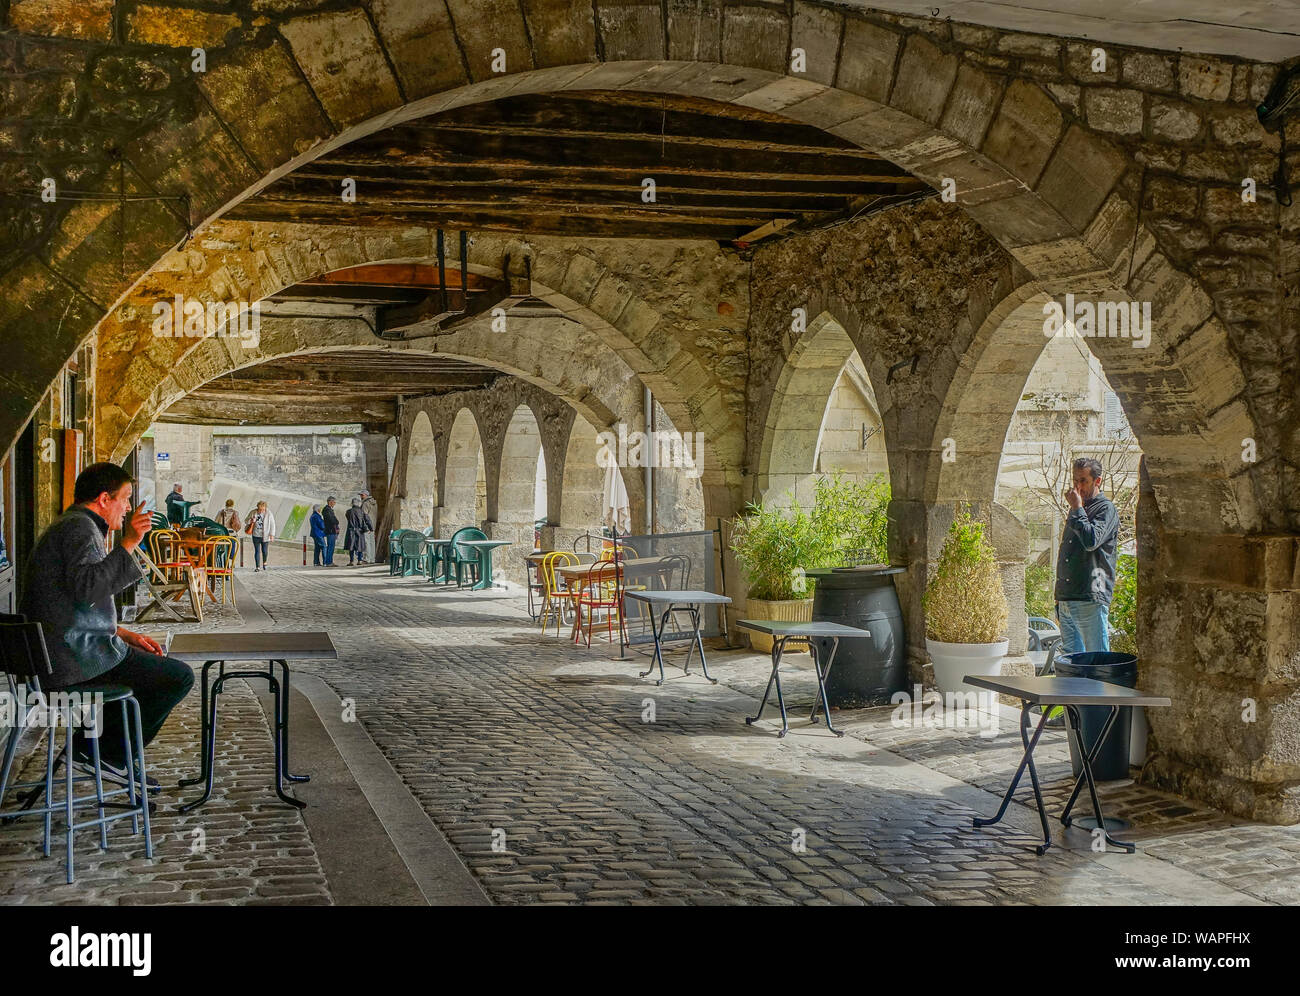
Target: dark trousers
[
  {"x": 159, "y": 683},
  {"x": 260, "y": 552},
  {"x": 318, "y": 548},
  {"x": 330, "y": 540}
]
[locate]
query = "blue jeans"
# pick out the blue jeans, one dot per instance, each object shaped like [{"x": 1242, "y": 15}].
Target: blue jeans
[
  {"x": 259, "y": 551},
  {"x": 1083, "y": 626},
  {"x": 318, "y": 547},
  {"x": 330, "y": 540}
]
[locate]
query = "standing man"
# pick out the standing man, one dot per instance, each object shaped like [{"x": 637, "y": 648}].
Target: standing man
[
  {"x": 70, "y": 583},
  {"x": 1085, "y": 563},
  {"x": 176, "y": 506},
  {"x": 371, "y": 508},
  {"x": 331, "y": 520},
  {"x": 317, "y": 535}
]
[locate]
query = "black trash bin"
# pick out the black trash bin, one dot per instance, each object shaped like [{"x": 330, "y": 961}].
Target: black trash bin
[{"x": 1116, "y": 669}]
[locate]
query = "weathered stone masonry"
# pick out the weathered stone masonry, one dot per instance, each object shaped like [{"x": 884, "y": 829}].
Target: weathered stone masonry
[{"x": 1052, "y": 160}]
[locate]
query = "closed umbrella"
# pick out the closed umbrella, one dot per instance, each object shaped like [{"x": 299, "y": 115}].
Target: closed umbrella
[{"x": 617, "y": 513}]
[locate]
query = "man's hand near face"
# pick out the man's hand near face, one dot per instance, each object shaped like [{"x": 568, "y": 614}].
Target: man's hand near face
[
  {"x": 1072, "y": 498},
  {"x": 139, "y": 641},
  {"x": 135, "y": 527}
]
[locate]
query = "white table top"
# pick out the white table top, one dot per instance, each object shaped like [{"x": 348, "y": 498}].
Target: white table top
[{"x": 199, "y": 647}]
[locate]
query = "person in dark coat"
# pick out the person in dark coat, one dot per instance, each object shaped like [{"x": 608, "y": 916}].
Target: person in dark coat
[
  {"x": 317, "y": 535},
  {"x": 70, "y": 583},
  {"x": 331, "y": 530},
  {"x": 176, "y": 506},
  {"x": 355, "y": 540}
]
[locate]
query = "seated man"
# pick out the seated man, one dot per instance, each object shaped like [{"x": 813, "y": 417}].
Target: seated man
[{"x": 70, "y": 583}]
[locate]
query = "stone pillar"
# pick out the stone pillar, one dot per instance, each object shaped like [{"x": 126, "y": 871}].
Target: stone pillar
[
  {"x": 375, "y": 446},
  {"x": 508, "y": 561},
  {"x": 1219, "y": 634}
]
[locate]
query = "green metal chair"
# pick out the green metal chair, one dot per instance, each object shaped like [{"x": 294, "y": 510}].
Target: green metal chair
[
  {"x": 464, "y": 558},
  {"x": 210, "y": 527},
  {"x": 159, "y": 521},
  {"x": 412, "y": 553},
  {"x": 395, "y": 551}
]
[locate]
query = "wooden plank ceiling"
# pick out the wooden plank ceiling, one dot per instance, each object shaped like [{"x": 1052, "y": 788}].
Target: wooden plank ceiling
[
  {"x": 573, "y": 164},
  {"x": 326, "y": 388}
]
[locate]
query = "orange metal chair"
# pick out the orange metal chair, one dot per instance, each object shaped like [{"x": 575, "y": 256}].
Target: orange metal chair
[{"x": 599, "y": 591}]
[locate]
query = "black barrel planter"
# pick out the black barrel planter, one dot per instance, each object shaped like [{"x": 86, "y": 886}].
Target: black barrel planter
[{"x": 865, "y": 672}]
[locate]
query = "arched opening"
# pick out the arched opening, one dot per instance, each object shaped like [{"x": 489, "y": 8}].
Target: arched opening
[
  {"x": 823, "y": 418},
  {"x": 465, "y": 484},
  {"x": 421, "y": 476}
]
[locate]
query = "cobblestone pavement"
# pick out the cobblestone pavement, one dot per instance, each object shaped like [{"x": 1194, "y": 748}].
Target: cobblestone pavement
[
  {"x": 495, "y": 728},
  {"x": 536, "y": 761},
  {"x": 241, "y": 847}
]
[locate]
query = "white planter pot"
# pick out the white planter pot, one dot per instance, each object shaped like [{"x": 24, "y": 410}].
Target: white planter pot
[{"x": 953, "y": 661}]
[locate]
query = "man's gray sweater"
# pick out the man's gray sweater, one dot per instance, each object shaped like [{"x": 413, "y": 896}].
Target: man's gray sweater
[{"x": 69, "y": 589}]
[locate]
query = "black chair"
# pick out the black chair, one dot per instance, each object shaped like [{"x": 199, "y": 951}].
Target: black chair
[{"x": 24, "y": 658}]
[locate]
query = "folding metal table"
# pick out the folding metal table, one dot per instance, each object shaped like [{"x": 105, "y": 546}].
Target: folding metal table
[
  {"x": 1069, "y": 693},
  {"x": 672, "y": 602},
  {"x": 781, "y": 631},
  {"x": 223, "y": 648}
]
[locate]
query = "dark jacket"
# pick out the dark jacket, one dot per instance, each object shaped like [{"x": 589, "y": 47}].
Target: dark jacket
[
  {"x": 70, "y": 584},
  {"x": 176, "y": 508},
  {"x": 317, "y": 527},
  {"x": 1085, "y": 564},
  {"x": 358, "y": 526},
  {"x": 331, "y": 521}
]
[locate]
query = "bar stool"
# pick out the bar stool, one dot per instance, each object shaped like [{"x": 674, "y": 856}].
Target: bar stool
[{"x": 24, "y": 656}]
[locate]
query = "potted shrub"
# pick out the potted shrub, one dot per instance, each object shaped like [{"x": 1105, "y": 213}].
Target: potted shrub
[
  {"x": 965, "y": 608},
  {"x": 772, "y": 546}
]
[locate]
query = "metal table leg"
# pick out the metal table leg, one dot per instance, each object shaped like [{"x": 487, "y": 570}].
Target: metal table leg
[
  {"x": 778, "y": 648},
  {"x": 695, "y": 611},
  {"x": 821, "y": 682},
  {"x": 1027, "y": 761},
  {"x": 658, "y": 656},
  {"x": 282, "y": 725},
  {"x": 204, "y": 729},
  {"x": 1086, "y": 757}
]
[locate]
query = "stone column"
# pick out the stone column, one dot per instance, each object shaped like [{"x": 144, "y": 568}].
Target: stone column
[{"x": 1219, "y": 633}]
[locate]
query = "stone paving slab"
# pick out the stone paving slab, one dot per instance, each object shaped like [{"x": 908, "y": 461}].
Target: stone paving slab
[{"x": 533, "y": 758}]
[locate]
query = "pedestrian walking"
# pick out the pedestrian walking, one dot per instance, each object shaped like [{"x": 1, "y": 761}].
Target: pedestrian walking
[
  {"x": 317, "y": 535},
  {"x": 331, "y": 530},
  {"x": 261, "y": 527},
  {"x": 229, "y": 517},
  {"x": 354, "y": 541}
]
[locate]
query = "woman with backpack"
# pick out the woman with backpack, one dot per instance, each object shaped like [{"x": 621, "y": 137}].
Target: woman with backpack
[{"x": 229, "y": 518}]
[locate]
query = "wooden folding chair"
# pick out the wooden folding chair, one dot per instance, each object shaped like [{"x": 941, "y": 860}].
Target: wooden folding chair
[{"x": 164, "y": 591}]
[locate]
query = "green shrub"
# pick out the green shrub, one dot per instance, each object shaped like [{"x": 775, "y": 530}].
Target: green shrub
[
  {"x": 1123, "y": 605},
  {"x": 771, "y": 543},
  {"x": 1039, "y": 584},
  {"x": 963, "y": 601}
]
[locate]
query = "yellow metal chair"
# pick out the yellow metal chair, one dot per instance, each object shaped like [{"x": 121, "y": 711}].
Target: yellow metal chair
[
  {"x": 555, "y": 596},
  {"x": 220, "y": 563}
]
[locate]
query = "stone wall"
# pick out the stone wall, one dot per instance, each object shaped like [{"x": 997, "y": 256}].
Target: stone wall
[{"x": 313, "y": 464}]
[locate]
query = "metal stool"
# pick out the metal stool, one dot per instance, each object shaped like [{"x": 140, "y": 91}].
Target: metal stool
[{"x": 24, "y": 656}]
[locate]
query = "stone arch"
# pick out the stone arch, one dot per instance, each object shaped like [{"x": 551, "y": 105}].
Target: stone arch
[
  {"x": 462, "y": 470},
  {"x": 1190, "y": 462},
  {"x": 582, "y": 482},
  {"x": 1042, "y": 185},
  {"x": 517, "y": 478},
  {"x": 798, "y": 406},
  {"x": 620, "y": 331},
  {"x": 421, "y": 485}
]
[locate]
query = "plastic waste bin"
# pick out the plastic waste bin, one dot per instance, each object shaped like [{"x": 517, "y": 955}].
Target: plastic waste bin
[{"x": 1117, "y": 669}]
